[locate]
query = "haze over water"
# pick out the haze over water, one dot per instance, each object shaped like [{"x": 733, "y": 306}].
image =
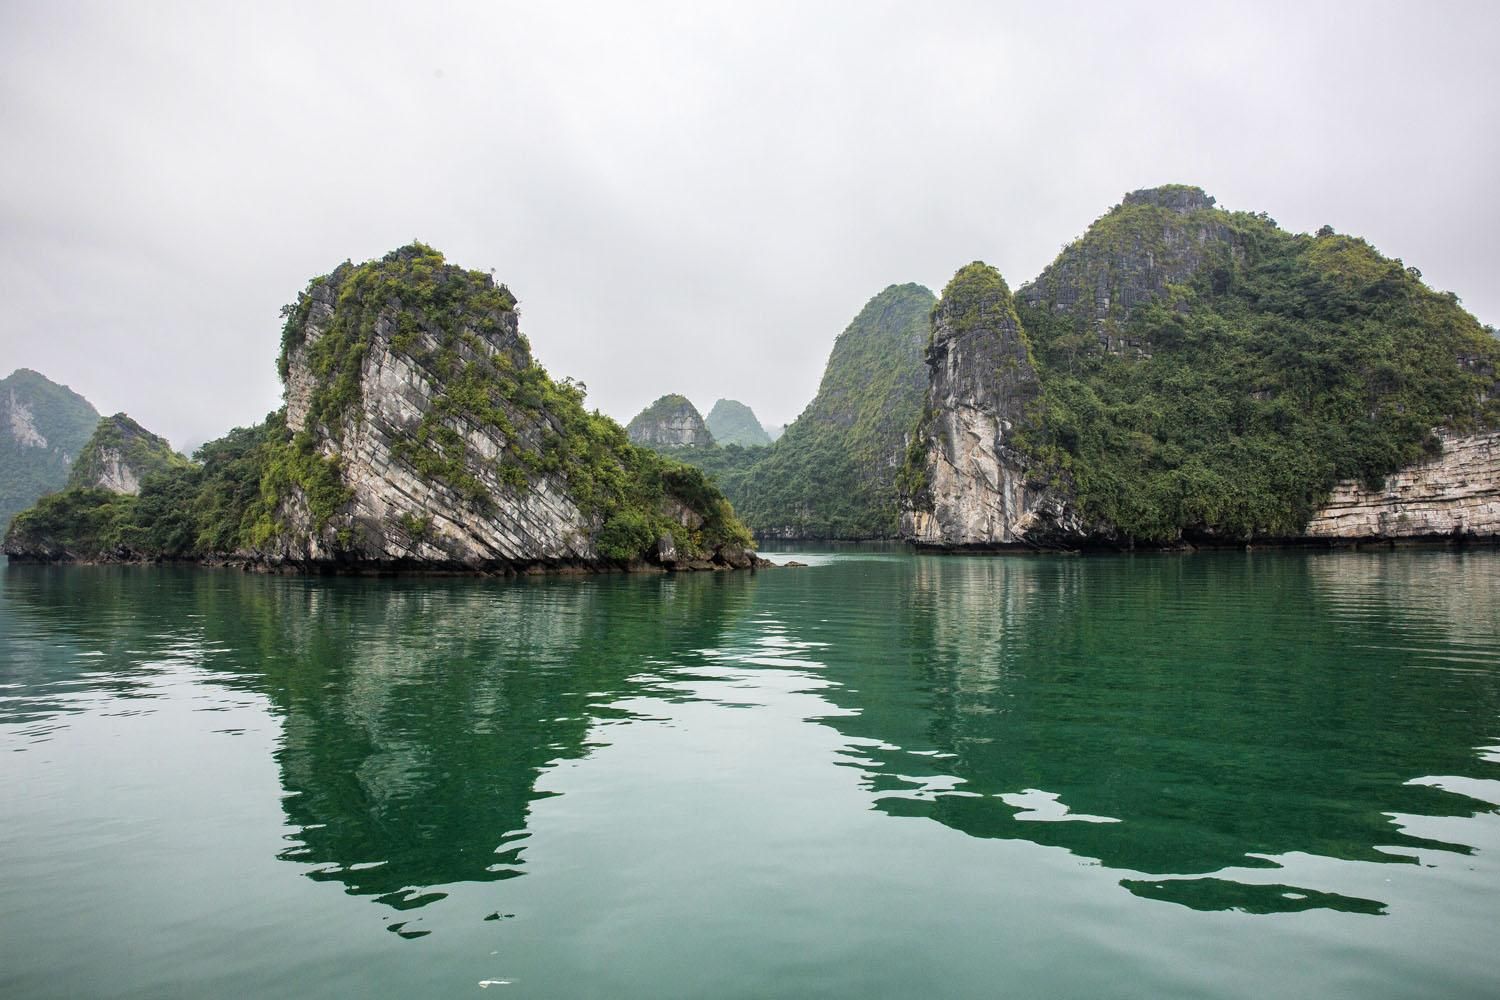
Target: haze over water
[{"x": 1224, "y": 774}]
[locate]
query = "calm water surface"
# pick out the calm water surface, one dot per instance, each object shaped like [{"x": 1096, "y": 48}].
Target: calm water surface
[{"x": 1263, "y": 774}]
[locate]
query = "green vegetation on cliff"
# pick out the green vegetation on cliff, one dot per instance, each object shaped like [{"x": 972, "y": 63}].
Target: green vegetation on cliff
[
  {"x": 978, "y": 354},
  {"x": 732, "y": 422},
  {"x": 457, "y": 329},
  {"x": 120, "y": 445},
  {"x": 833, "y": 473},
  {"x": 43, "y": 425},
  {"x": 184, "y": 510},
  {"x": 1206, "y": 373}
]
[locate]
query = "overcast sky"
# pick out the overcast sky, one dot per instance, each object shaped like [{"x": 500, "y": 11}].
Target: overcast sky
[{"x": 687, "y": 198}]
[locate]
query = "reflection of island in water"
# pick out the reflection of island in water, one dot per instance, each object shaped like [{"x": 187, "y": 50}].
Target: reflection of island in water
[
  {"x": 419, "y": 719},
  {"x": 1179, "y": 719},
  {"x": 1182, "y": 716},
  {"x": 417, "y": 714}
]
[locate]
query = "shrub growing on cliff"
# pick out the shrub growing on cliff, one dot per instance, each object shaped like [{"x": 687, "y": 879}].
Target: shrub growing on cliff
[
  {"x": 85, "y": 522},
  {"x": 625, "y": 535}
]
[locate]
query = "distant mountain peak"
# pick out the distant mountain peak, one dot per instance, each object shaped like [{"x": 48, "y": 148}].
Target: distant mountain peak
[
  {"x": 732, "y": 422},
  {"x": 670, "y": 422},
  {"x": 42, "y": 426}
]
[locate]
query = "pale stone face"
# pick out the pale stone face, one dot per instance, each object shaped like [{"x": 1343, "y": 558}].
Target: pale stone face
[
  {"x": 23, "y": 424},
  {"x": 683, "y": 427},
  {"x": 115, "y": 474},
  {"x": 979, "y": 385},
  {"x": 1456, "y": 493},
  {"x": 538, "y": 522}
]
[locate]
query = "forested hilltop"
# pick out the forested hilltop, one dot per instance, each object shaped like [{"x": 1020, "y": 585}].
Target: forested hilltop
[
  {"x": 832, "y": 474},
  {"x": 419, "y": 432},
  {"x": 672, "y": 421},
  {"x": 120, "y": 456},
  {"x": 1185, "y": 372},
  {"x": 732, "y": 422}
]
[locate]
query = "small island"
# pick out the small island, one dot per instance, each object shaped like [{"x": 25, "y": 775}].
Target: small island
[{"x": 419, "y": 433}]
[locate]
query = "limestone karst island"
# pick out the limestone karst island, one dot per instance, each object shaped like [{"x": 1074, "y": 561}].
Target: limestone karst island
[
  {"x": 850, "y": 500},
  {"x": 1179, "y": 376}
]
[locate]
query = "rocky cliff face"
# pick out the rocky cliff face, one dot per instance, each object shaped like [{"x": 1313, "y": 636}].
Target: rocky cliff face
[
  {"x": 120, "y": 456},
  {"x": 670, "y": 422},
  {"x": 968, "y": 481},
  {"x": 1455, "y": 495},
  {"x": 1267, "y": 364},
  {"x": 424, "y": 434},
  {"x": 395, "y": 512},
  {"x": 22, "y": 421}
]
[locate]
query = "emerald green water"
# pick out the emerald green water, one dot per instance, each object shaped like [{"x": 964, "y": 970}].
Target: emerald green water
[{"x": 1231, "y": 774}]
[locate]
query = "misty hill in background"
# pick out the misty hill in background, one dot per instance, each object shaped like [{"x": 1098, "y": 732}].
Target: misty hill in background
[
  {"x": 732, "y": 422},
  {"x": 43, "y": 427},
  {"x": 833, "y": 473}
]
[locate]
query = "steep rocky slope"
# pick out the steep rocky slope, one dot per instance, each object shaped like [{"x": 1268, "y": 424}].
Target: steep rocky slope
[
  {"x": 120, "y": 456},
  {"x": 418, "y": 433},
  {"x": 968, "y": 480},
  {"x": 42, "y": 427},
  {"x": 732, "y": 422},
  {"x": 1204, "y": 376},
  {"x": 670, "y": 422}
]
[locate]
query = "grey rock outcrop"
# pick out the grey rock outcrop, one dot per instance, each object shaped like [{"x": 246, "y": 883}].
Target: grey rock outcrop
[
  {"x": 22, "y": 422},
  {"x": 1154, "y": 238},
  {"x": 115, "y": 473},
  {"x": 449, "y": 446},
  {"x": 969, "y": 485},
  {"x": 394, "y": 513},
  {"x": 1454, "y": 495},
  {"x": 670, "y": 422}
]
